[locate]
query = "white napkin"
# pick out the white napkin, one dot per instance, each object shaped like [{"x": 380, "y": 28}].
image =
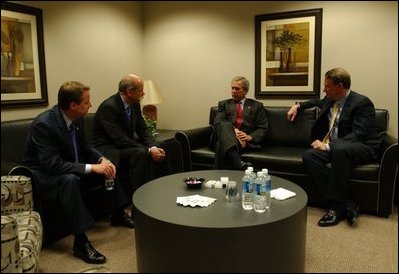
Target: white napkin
[
  {"x": 195, "y": 200},
  {"x": 281, "y": 193}
]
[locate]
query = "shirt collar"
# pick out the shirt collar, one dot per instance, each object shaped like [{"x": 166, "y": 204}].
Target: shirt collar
[{"x": 67, "y": 120}]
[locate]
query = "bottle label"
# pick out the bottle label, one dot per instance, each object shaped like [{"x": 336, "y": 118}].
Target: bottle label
[{"x": 247, "y": 187}]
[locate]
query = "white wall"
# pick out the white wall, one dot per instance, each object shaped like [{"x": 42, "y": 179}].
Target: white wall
[
  {"x": 92, "y": 42},
  {"x": 193, "y": 49}
]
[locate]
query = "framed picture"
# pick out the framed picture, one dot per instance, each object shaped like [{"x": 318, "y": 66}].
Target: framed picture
[
  {"x": 287, "y": 54},
  {"x": 23, "y": 71}
]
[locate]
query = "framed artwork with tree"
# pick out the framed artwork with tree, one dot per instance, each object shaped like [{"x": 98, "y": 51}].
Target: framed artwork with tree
[{"x": 287, "y": 54}]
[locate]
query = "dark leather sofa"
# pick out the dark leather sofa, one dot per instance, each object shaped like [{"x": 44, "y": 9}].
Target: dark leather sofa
[{"x": 372, "y": 185}]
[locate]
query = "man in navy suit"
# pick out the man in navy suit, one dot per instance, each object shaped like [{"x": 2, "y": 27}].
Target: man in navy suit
[
  {"x": 119, "y": 131},
  {"x": 240, "y": 125},
  {"x": 345, "y": 139},
  {"x": 63, "y": 163}
]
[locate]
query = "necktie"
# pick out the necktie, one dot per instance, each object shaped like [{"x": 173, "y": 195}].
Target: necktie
[
  {"x": 239, "y": 117},
  {"x": 72, "y": 136},
  {"x": 334, "y": 113},
  {"x": 129, "y": 115}
]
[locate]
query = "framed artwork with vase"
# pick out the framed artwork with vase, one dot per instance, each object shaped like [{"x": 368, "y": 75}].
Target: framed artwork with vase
[
  {"x": 23, "y": 71},
  {"x": 288, "y": 54}
]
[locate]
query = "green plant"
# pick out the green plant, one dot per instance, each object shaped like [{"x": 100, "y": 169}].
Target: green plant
[
  {"x": 287, "y": 39},
  {"x": 151, "y": 126}
]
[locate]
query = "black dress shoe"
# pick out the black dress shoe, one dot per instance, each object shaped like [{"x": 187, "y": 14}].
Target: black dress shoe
[
  {"x": 352, "y": 214},
  {"x": 245, "y": 165},
  {"x": 122, "y": 220},
  {"x": 88, "y": 253},
  {"x": 331, "y": 218}
]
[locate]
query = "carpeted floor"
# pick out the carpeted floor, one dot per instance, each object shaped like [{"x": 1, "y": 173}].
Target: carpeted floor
[{"x": 371, "y": 246}]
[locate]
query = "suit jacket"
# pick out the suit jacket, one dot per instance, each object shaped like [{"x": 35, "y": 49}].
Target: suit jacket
[
  {"x": 255, "y": 121},
  {"x": 49, "y": 150},
  {"x": 356, "y": 121},
  {"x": 112, "y": 132}
]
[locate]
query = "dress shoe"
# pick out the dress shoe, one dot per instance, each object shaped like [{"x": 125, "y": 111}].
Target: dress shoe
[
  {"x": 122, "y": 220},
  {"x": 245, "y": 165},
  {"x": 88, "y": 253},
  {"x": 331, "y": 218},
  {"x": 352, "y": 214}
]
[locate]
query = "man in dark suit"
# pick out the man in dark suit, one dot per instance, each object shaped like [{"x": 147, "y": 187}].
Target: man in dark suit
[
  {"x": 63, "y": 163},
  {"x": 240, "y": 125},
  {"x": 345, "y": 138},
  {"x": 119, "y": 131}
]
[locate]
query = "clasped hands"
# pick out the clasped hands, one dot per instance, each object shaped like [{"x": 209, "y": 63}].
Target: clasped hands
[
  {"x": 242, "y": 137},
  {"x": 157, "y": 154}
]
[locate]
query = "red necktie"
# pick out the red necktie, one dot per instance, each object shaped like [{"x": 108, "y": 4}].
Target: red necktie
[{"x": 239, "y": 117}]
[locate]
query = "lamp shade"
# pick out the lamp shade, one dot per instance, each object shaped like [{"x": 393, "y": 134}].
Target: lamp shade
[{"x": 152, "y": 95}]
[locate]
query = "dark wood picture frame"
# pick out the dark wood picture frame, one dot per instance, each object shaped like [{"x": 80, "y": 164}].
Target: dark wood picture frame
[
  {"x": 288, "y": 54},
  {"x": 23, "y": 70}
]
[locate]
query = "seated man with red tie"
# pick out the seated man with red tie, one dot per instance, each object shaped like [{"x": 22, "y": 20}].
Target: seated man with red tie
[
  {"x": 240, "y": 125},
  {"x": 344, "y": 135}
]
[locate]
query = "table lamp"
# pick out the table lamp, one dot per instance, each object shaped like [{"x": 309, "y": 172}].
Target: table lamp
[{"x": 151, "y": 98}]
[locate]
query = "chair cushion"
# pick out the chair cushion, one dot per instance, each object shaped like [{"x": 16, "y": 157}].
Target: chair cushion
[{"x": 9, "y": 245}]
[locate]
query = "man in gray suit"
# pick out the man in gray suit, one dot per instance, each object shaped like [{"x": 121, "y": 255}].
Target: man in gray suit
[
  {"x": 345, "y": 138},
  {"x": 240, "y": 125}
]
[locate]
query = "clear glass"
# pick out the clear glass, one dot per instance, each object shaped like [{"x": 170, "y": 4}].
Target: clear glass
[{"x": 109, "y": 183}]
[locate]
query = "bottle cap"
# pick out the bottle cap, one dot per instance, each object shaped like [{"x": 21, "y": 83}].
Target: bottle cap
[{"x": 265, "y": 171}]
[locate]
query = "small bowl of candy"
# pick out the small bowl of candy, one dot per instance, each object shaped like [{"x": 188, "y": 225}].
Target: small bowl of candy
[{"x": 194, "y": 182}]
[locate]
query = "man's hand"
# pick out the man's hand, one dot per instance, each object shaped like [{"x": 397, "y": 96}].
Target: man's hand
[
  {"x": 291, "y": 114},
  {"x": 157, "y": 154},
  {"x": 105, "y": 167},
  {"x": 319, "y": 145},
  {"x": 242, "y": 137}
]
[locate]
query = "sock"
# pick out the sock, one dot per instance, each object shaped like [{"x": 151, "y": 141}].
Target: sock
[{"x": 80, "y": 238}]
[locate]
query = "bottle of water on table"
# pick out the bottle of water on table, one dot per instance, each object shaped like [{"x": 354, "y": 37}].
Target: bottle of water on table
[
  {"x": 268, "y": 187},
  {"x": 247, "y": 191},
  {"x": 259, "y": 203}
]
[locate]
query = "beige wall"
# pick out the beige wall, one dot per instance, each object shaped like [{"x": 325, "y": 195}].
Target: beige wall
[{"x": 193, "y": 49}]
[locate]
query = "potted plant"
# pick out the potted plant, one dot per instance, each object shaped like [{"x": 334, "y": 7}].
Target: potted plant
[{"x": 285, "y": 41}]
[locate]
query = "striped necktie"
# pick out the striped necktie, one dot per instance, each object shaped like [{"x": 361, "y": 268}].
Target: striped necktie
[{"x": 334, "y": 113}]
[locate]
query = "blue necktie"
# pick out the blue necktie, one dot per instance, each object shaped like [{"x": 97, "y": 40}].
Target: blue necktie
[
  {"x": 129, "y": 115},
  {"x": 72, "y": 136}
]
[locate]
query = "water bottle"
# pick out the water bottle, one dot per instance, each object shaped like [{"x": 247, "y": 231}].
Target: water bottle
[
  {"x": 259, "y": 203},
  {"x": 253, "y": 175},
  {"x": 247, "y": 191},
  {"x": 268, "y": 187}
]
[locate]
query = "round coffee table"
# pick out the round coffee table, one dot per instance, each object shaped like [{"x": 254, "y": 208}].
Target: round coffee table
[{"x": 222, "y": 237}]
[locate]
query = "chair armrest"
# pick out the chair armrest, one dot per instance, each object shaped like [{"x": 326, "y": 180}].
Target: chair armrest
[
  {"x": 388, "y": 174},
  {"x": 192, "y": 139}
]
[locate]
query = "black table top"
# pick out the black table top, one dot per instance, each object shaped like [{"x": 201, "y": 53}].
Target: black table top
[{"x": 157, "y": 199}]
